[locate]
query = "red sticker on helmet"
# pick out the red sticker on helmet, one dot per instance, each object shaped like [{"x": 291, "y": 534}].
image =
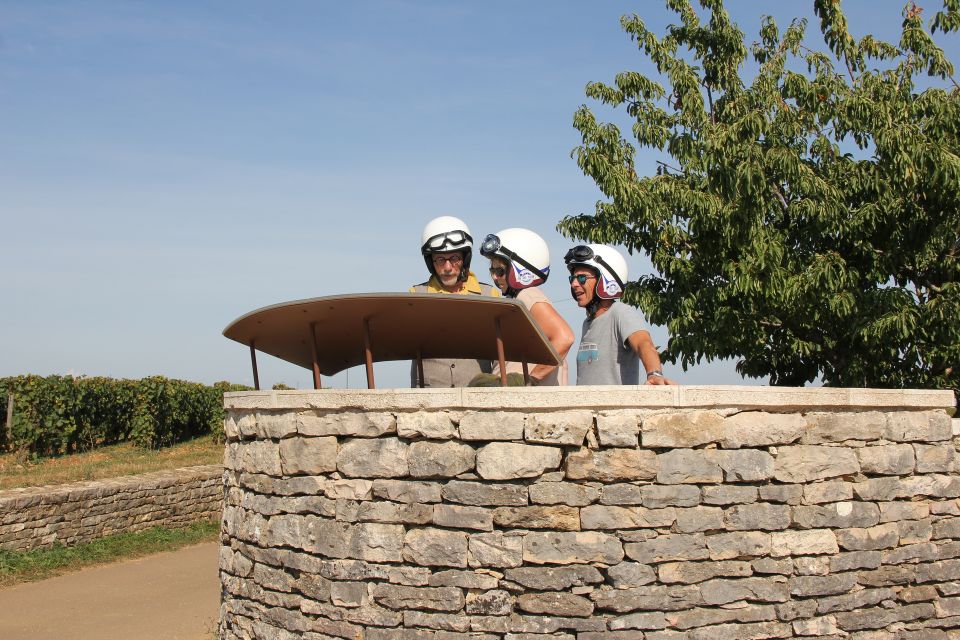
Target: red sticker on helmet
[
  {"x": 519, "y": 278},
  {"x": 608, "y": 288}
]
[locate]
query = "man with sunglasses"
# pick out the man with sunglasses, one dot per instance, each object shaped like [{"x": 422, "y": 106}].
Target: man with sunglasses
[
  {"x": 614, "y": 341},
  {"x": 447, "y": 248}
]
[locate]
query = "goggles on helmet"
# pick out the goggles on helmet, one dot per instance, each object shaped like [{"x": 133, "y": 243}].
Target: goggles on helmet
[
  {"x": 491, "y": 247},
  {"x": 449, "y": 240},
  {"x": 582, "y": 254}
]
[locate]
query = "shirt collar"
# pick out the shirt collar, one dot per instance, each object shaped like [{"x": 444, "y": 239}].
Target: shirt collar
[{"x": 472, "y": 285}]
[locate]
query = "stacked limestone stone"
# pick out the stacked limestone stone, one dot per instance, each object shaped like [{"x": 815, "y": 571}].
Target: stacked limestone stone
[
  {"x": 588, "y": 523},
  {"x": 39, "y": 517}
]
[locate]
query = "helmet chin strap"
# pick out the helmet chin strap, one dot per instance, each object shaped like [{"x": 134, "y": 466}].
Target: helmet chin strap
[{"x": 592, "y": 307}]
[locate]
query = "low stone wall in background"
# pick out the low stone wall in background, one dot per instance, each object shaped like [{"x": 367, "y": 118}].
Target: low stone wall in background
[
  {"x": 39, "y": 517},
  {"x": 591, "y": 514}
]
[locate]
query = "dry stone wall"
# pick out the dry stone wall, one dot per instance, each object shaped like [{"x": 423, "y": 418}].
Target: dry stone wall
[
  {"x": 579, "y": 514},
  {"x": 39, "y": 517}
]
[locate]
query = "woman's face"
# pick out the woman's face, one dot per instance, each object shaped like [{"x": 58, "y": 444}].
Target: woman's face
[{"x": 498, "y": 271}]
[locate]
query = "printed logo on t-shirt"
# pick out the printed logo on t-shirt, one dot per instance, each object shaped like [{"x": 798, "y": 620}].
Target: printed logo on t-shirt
[{"x": 588, "y": 353}]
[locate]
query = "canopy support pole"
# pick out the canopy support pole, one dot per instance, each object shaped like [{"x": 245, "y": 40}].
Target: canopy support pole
[
  {"x": 368, "y": 353},
  {"x": 420, "y": 369},
  {"x": 253, "y": 361},
  {"x": 526, "y": 373},
  {"x": 500, "y": 357},
  {"x": 316, "y": 356}
]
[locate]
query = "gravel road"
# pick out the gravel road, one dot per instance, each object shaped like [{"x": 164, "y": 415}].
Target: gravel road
[{"x": 171, "y": 596}]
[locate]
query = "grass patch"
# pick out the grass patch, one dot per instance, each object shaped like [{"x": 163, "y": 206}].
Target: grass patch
[
  {"x": 39, "y": 564},
  {"x": 106, "y": 462}
]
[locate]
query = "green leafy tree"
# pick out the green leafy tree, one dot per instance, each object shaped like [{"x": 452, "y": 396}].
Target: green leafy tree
[{"x": 805, "y": 221}]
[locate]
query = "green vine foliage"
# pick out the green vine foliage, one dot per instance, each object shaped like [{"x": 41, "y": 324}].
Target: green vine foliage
[
  {"x": 63, "y": 414},
  {"x": 805, "y": 220}
]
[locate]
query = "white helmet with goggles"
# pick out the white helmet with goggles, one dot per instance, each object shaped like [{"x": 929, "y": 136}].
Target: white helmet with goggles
[
  {"x": 446, "y": 234},
  {"x": 526, "y": 254},
  {"x": 609, "y": 265}
]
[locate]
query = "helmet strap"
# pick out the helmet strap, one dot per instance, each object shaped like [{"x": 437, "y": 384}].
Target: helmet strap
[
  {"x": 598, "y": 305},
  {"x": 610, "y": 270},
  {"x": 516, "y": 258},
  {"x": 592, "y": 307}
]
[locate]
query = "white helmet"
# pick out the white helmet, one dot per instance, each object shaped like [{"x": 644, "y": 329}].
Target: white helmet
[
  {"x": 525, "y": 252},
  {"x": 444, "y": 234},
  {"x": 606, "y": 261}
]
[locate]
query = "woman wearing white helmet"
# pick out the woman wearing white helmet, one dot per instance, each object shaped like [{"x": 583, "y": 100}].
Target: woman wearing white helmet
[
  {"x": 614, "y": 340},
  {"x": 519, "y": 264},
  {"x": 447, "y": 246}
]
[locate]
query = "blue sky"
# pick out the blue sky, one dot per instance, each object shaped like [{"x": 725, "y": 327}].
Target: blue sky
[{"x": 166, "y": 167}]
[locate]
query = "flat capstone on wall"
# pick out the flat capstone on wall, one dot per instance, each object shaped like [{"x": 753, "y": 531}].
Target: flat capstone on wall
[
  {"x": 586, "y": 513},
  {"x": 69, "y": 514}
]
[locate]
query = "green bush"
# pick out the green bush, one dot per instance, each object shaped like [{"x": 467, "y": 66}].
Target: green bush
[{"x": 63, "y": 414}]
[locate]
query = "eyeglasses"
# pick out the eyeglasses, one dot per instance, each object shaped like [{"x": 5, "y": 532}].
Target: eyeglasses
[
  {"x": 498, "y": 271},
  {"x": 454, "y": 260},
  {"x": 581, "y": 278}
]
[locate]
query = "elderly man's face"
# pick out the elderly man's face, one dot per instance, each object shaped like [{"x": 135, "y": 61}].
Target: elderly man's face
[
  {"x": 583, "y": 292},
  {"x": 448, "y": 265}
]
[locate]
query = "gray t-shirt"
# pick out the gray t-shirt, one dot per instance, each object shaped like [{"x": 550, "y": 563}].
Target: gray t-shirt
[{"x": 604, "y": 357}]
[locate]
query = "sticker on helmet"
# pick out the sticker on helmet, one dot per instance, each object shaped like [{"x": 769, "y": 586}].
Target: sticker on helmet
[
  {"x": 610, "y": 287},
  {"x": 524, "y": 276}
]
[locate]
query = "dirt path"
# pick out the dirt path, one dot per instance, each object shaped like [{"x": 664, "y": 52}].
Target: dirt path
[{"x": 173, "y": 596}]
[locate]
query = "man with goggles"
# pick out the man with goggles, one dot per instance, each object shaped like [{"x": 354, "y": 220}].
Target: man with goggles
[
  {"x": 447, "y": 247},
  {"x": 614, "y": 341}
]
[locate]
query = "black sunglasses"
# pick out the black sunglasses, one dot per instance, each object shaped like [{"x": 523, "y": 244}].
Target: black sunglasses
[
  {"x": 498, "y": 271},
  {"x": 581, "y": 278}
]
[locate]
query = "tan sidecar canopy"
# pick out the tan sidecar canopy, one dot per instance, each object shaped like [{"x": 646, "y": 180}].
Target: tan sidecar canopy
[{"x": 334, "y": 333}]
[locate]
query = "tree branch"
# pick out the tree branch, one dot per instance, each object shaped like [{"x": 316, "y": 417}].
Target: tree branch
[
  {"x": 779, "y": 194},
  {"x": 713, "y": 119},
  {"x": 667, "y": 166}
]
